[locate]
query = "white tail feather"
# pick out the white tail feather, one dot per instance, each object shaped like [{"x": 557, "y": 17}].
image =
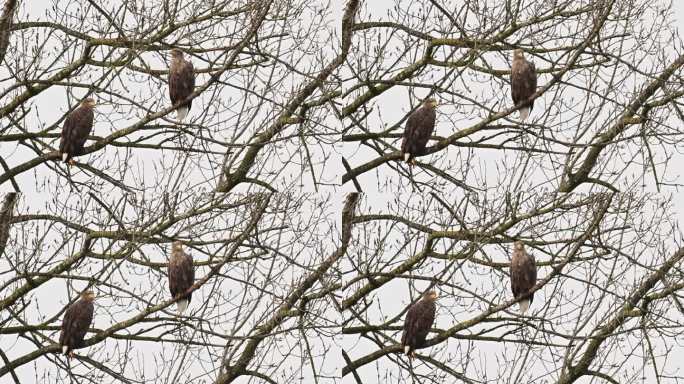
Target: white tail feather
[
  {"x": 406, "y": 349},
  {"x": 64, "y": 349},
  {"x": 406, "y": 157},
  {"x": 524, "y": 113},
  {"x": 64, "y": 156},
  {"x": 182, "y": 113},
  {"x": 182, "y": 305},
  {"x": 524, "y": 306}
]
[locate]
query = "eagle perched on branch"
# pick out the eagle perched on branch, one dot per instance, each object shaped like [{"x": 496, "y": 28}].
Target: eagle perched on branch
[
  {"x": 419, "y": 128},
  {"x": 523, "y": 275},
  {"x": 523, "y": 83},
  {"x": 77, "y": 320},
  {"x": 77, "y": 128},
  {"x": 181, "y": 83},
  {"x": 419, "y": 320},
  {"x": 181, "y": 275}
]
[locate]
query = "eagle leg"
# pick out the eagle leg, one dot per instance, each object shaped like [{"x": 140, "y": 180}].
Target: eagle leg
[
  {"x": 72, "y": 162},
  {"x": 71, "y": 354},
  {"x": 406, "y": 156}
]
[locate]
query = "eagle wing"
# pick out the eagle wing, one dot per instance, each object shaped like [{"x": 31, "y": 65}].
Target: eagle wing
[
  {"x": 181, "y": 275},
  {"x": 182, "y": 83},
  {"x": 417, "y": 324},
  {"x": 77, "y": 320},
  {"x": 419, "y": 127},
  {"x": 188, "y": 274},
  {"x": 174, "y": 277},
  {"x": 531, "y": 275},
  {"x": 67, "y": 325},
  {"x": 523, "y": 274},
  {"x": 531, "y": 73},
  {"x": 77, "y": 127},
  {"x": 523, "y": 81},
  {"x": 409, "y": 325}
]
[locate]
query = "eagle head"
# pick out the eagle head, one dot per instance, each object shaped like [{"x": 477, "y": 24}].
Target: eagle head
[
  {"x": 88, "y": 295},
  {"x": 518, "y": 54},
  {"x": 518, "y": 246},
  {"x": 431, "y": 103},
  {"x": 89, "y": 102},
  {"x": 177, "y": 246},
  {"x": 176, "y": 53},
  {"x": 430, "y": 296}
]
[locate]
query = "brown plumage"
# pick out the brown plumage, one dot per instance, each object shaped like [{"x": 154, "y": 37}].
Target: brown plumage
[
  {"x": 419, "y": 128},
  {"x": 181, "y": 275},
  {"x": 523, "y": 83},
  {"x": 419, "y": 320},
  {"x": 523, "y": 275},
  {"x": 77, "y": 320},
  {"x": 77, "y": 127},
  {"x": 181, "y": 83}
]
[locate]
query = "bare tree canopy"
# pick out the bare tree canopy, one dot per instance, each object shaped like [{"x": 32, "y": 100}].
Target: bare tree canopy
[{"x": 290, "y": 191}]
